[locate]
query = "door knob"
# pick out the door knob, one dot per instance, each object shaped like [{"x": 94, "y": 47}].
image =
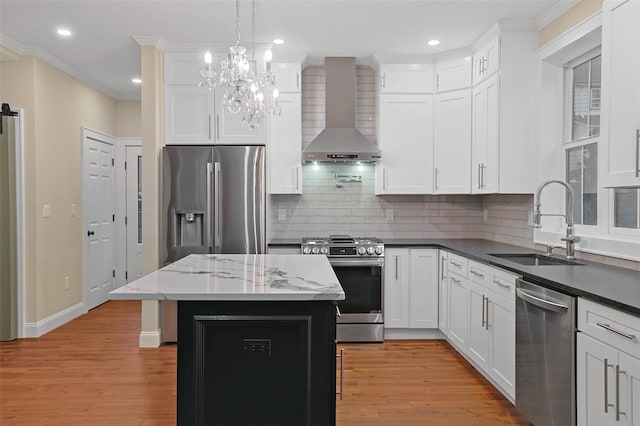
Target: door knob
[{"x": 90, "y": 233}]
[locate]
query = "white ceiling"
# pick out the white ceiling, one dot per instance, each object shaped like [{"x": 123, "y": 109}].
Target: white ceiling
[{"x": 103, "y": 52}]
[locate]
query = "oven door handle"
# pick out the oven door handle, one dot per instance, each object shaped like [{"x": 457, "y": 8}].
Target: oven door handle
[{"x": 358, "y": 262}]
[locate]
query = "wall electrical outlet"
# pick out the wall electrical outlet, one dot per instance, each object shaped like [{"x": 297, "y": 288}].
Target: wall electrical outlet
[
  {"x": 282, "y": 215},
  {"x": 46, "y": 210},
  {"x": 390, "y": 215},
  {"x": 66, "y": 283},
  {"x": 73, "y": 210}
]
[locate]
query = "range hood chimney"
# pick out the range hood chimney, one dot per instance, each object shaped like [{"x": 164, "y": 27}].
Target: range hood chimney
[{"x": 340, "y": 141}]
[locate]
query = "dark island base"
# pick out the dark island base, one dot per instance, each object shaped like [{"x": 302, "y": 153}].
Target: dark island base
[{"x": 256, "y": 363}]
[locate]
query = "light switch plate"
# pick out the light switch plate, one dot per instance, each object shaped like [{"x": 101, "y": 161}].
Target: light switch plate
[
  {"x": 73, "y": 210},
  {"x": 282, "y": 215},
  {"x": 46, "y": 210},
  {"x": 390, "y": 215}
]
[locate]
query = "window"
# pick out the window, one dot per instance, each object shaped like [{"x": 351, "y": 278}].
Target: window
[
  {"x": 583, "y": 80},
  {"x": 626, "y": 208}
]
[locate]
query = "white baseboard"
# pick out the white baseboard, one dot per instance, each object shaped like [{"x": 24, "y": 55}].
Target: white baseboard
[
  {"x": 412, "y": 333},
  {"x": 37, "y": 329},
  {"x": 150, "y": 339}
]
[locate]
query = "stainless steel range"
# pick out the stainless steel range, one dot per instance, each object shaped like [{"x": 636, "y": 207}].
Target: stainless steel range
[{"x": 359, "y": 265}]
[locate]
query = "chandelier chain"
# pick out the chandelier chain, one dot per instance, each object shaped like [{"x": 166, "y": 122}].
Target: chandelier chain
[{"x": 237, "y": 22}]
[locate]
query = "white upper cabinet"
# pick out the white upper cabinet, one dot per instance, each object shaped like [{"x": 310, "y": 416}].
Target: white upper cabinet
[
  {"x": 285, "y": 146},
  {"x": 620, "y": 133},
  {"x": 405, "y": 137},
  {"x": 452, "y": 142},
  {"x": 406, "y": 78},
  {"x": 195, "y": 115},
  {"x": 288, "y": 76},
  {"x": 486, "y": 60},
  {"x": 485, "y": 149},
  {"x": 453, "y": 74}
]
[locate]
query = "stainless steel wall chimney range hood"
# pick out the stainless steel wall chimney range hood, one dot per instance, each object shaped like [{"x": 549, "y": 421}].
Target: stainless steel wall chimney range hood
[{"x": 340, "y": 141}]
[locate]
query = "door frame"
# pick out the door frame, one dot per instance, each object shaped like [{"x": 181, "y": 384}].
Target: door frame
[
  {"x": 121, "y": 207},
  {"x": 89, "y": 133}
]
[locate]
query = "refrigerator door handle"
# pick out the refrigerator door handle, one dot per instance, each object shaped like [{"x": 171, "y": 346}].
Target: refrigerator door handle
[
  {"x": 216, "y": 207},
  {"x": 209, "y": 206}
]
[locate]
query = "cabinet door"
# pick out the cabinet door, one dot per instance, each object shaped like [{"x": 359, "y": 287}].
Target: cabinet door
[
  {"x": 229, "y": 128},
  {"x": 621, "y": 99},
  {"x": 478, "y": 344},
  {"x": 458, "y": 311},
  {"x": 443, "y": 293},
  {"x": 285, "y": 147},
  {"x": 188, "y": 115},
  {"x": 288, "y": 76},
  {"x": 452, "y": 142},
  {"x": 396, "y": 288},
  {"x": 183, "y": 68},
  {"x": 595, "y": 397},
  {"x": 403, "y": 78},
  {"x": 423, "y": 298},
  {"x": 485, "y": 137},
  {"x": 406, "y": 141},
  {"x": 486, "y": 61},
  {"x": 629, "y": 390},
  {"x": 453, "y": 75},
  {"x": 502, "y": 353}
]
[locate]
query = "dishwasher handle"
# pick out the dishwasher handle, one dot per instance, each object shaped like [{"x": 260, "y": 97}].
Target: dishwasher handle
[{"x": 540, "y": 302}]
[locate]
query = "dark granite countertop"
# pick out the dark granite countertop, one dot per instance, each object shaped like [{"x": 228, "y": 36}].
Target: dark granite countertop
[{"x": 613, "y": 286}]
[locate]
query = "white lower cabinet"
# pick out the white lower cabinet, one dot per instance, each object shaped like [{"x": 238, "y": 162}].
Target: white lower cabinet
[
  {"x": 479, "y": 336},
  {"x": 607, "y": 376},
  {"x": 501, "y": 318},
  {"x": 458, "y": 311},
  {"x": 411, "y": 288},
  {"x": 443, "y": 293}
]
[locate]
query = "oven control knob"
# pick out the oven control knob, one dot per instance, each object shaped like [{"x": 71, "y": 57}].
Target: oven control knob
[
  {"x": 379, "y": 250},
  {"x": 324, "y": 250},
  {"x": 371, "y": 250},
  {"x": 315, "y": 250},
  {"x": 306, "y": 250},
  {"x": 362, "y": 251}
]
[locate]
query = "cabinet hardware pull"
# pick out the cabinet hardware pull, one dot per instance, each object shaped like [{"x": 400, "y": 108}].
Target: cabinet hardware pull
[
  {"x": 341, "y": 356},
  {"x": 455, "y": 280},
  {"x": 618, "y": 412},
  {"x": 217, "y": 126},
  {"x": 442, "y": 266},
  {"x": 298, "y": 80},
  {"x": 613, "y": 330},
  {"x": 453, "y": 262},
  {"x": 483, "y": 305},
  {"x": 396, "y": 267},
  {"x": 209, "y": 126},
  {"x": 484, "y": 185},
  {"x": 297, "y": 178},
  {"x": 501, "y": 285},
  {"x": 637, "y": 152},
  {"x": 338, "y": 313},
  {"x": 437, "y": 82},
  {"x": 210, "y": 206},
  {"x": 436, "y": 179},
  {"x": 384, "y": 81},
  {"x": 479, "y": 178},
  {"x": 476, "y": 273},
  {"x": 606, "y": 387},
  {"x": 487, "y": 311},
  {"x": 384, "y": 179}
]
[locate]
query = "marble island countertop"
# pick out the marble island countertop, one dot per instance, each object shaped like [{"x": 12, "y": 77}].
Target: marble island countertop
[{"x": 238, "y": 277}]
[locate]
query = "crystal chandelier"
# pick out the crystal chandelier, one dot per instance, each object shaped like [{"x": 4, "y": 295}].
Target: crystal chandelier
[{"x": 244, "y": 90}]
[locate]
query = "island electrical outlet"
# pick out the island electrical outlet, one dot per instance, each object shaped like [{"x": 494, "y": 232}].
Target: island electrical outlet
[{"x": 257, "y": 346}]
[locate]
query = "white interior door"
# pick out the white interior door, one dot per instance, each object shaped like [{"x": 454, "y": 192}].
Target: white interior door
[
  {"x": 98, "y": 217},
  {"x": 134, "y": 213}
]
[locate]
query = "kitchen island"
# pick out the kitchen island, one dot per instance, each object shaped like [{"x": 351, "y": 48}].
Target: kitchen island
[{"x": 256, "y": 337}]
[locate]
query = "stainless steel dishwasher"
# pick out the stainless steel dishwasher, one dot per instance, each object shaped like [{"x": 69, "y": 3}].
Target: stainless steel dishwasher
[{"x": 545, "y": 355}]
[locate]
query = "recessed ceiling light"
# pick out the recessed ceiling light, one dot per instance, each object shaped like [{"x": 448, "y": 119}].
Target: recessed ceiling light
[
  {"x": 136, "y": 80},
  {"x": 433, "y": 42},
  {"x": 278, "y": 41},
  {"x": 64, "y": 32}
]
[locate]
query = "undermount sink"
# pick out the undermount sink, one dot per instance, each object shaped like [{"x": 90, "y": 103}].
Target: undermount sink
[{"x": 534, "y": 259}]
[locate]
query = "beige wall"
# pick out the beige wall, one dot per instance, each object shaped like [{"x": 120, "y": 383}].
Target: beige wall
[
  {"x": 56, "y": 107},
  {"x": 128, "y": 119},
  {"x": 568, "y": 20}
]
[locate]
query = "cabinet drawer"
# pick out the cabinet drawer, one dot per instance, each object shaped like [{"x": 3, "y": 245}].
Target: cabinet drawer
[
  {"x": 479, "y": 273},
  {"x": 458, "y": 264},
  {"x": 616, "y": 328},
  {"x": 503, "y": 283}
]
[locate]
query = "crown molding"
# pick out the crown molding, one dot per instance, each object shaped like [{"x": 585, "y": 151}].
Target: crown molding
[
  {"x": 155, "y": 41},
  {"x": 554, "y": 13},
  {"x": 56, "y": 63}
]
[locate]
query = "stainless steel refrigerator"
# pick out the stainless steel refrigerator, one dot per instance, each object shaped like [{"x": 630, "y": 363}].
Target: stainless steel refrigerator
[{"x": 213, "y": 201}]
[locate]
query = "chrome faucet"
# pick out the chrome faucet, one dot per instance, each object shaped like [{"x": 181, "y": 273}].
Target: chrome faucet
[{"x": 570, "y": 237}]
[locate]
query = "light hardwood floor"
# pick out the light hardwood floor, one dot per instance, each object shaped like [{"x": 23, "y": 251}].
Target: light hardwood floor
[{"x": 91, "y": 372}]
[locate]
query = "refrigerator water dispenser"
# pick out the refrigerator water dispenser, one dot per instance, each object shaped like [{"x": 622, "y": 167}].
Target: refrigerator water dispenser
[{"x": 189, "y": 229}]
